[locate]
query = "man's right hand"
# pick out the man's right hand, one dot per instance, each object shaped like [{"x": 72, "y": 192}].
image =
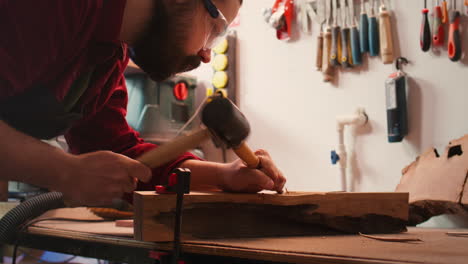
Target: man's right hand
[{"x": 96, "y": 178}]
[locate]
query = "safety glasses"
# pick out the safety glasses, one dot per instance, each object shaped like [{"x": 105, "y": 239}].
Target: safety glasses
[{"x": 216, "y": 25}]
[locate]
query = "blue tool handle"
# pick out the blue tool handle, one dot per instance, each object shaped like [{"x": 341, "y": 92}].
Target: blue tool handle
[
  {"x": 334, "y": 59},
  {"x": 364, "y": 33},
  {"x": 355, "y": 46},
  {"x": 374, "y": 46}
]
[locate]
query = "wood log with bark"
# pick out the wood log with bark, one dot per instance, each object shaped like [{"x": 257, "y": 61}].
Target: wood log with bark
[
  {"x": 437, "y": 183},
  {"x": 226, "y": 215}
]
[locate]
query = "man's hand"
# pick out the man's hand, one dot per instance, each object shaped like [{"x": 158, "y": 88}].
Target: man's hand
[
  {"x": 237, "y": 177},
  {"x": 97, "y": 178}
]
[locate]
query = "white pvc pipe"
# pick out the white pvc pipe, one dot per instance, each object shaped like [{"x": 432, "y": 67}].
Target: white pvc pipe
[{"x": 358, "y": 119}]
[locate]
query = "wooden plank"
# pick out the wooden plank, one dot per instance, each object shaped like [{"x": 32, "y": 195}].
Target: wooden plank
[
  {"x": 437, "y": 183},
  {"x": 215, "y": 215}
]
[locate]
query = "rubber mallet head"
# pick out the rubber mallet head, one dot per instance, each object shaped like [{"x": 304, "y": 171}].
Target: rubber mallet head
[{"x": 226, "y": 122}]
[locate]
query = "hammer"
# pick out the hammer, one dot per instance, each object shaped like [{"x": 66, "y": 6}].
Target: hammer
[{"x": 222, "y": 120}]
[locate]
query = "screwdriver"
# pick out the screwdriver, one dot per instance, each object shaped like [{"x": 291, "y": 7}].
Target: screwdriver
[
  {"x": 454, "y": 41},
  {"x": 345, "y": 43},
  {"x": 373, "y": 32},
  {"x": 364, "y": 29},
  {"x": 438, "y": 34},
  {"x": 336, "y": 43},
  {"x": 425, "y": 37},
  {"x": 355, "y": 45},
  {"x": 386, "y": 35},
  {"x": 444, "y": 12}
]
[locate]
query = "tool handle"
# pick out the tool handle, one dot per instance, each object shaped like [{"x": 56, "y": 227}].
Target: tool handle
[
  {"x": 355, "y": 46},
  {"x": 334, "y": 56},
  {"x": 327, "y": 68},
  {"x": 246, "y": 154},
  {"x": 445, "y": 16},
  {"x": 373, "y": 36},
  {"x": 173, "y": 149},
  {"x": 319, "y": 58},
  {"x": 386, "y": 37},
  {"x": 466, "y": 7},
  {"x": 364, "y": 33},
  {"x": 345, "y": 59},
  {"x": 454, "y": 42},
  {"x": 425, "y": 37},
  {"x": 438, "y": 34}
]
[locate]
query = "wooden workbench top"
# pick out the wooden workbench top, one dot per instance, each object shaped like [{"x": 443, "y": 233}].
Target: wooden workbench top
[{"x": 435, "y": 247}]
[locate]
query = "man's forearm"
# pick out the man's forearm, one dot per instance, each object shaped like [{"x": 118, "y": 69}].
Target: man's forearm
[
  {"x": 205, "y": 174},
  {"x": 26, "y": 159}
]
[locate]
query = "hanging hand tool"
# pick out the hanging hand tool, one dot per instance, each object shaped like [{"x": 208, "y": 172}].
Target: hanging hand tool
[
  {"x": 335, "y": 53},
  {"x": 345, "y": 58},
  {"x": 386, "y": 35},
  {"x": 454, "y": 41},
  {"x": 356, "y": 53},
  {"x": 364, "y": 28},
  {"x": 438, "y": 34},
  {"x": 466, "y": 7},
  {"x": 397, "y": 111},
  {"x": 445, "y": 18},
  {"x": 425, "y": 36},
  {"x": 319, "y": 58},
  {"x": 373, "y": 31},
  {"x": 327, "y": 68},
  {"x": 316, "y": 11}
]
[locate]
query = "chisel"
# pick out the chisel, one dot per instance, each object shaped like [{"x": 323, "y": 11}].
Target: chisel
[
  {"x": 327, "y": 68},
  {"x": 373, "y": 32},
  {"x": 386, "y": 35},
  {"x": 336, "y": 42},
  {"x": 454, "y": 41},
  {"x": 438, "y": 34},
  {"x": 345, "y": 42},
  {"x": 320, "y": 18},
  {"x": 364, "y": 29},
  {"x": 425, "y": 35},
  {"x": 355, "y": 44}
]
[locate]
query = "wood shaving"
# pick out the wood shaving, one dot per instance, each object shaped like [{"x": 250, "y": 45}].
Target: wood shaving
[{"x": 392, "y": 239}]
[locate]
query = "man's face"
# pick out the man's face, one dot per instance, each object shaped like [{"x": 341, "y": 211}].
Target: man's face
[{"x": 176, "y": 39}]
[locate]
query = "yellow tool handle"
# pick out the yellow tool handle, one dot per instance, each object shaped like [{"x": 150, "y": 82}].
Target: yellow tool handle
[
  {"x": 173, "y": 149},
  {"x": 247, "y": 155},
  {"x": 327, "y": 68},
  {"x": 386, "y": 38},
  {"x": 319, "y": 60}
]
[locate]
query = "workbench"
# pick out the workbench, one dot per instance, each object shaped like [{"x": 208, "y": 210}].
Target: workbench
[{"x": 435, "y": 247}]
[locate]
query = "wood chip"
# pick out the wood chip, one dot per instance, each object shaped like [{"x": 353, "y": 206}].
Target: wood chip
[{"x": 392, "y": 239}]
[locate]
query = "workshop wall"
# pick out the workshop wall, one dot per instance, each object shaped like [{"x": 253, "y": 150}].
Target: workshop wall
[{"x": 292, "y": 111}]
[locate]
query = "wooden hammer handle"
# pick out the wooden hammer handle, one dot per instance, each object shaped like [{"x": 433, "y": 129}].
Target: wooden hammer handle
[
  {"x": 247, "y": 155},
  {"x": 172, "y": 149}
]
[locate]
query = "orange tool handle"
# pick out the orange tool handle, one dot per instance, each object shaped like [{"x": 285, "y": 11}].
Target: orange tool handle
[
  {"x": 248, "y": 156},
  {"x": 444, "y": 12},
  {"x": 454, "y": 44},
  {"x": 438, "y": 34}
]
